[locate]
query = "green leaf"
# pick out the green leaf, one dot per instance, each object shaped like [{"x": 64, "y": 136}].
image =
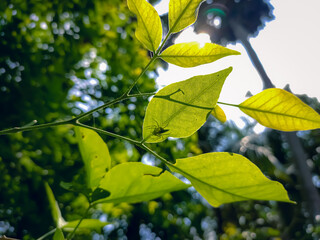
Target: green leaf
[
  {"x": 219, "y": 114},
  {"x": 99, "y": 193},
  {"x": 226, "y": 177},
  {"x": 149, "y": 30},
  {"x": 90, "y": 224},
  {"x": 181, "y": 108},
  {"x": 182, "y": 13},
  {"x": 278, "y": 109},
  {"x": 55, "y": 210},
  {"x": 58, "y": 235},
  {"x": 95, "y": 155},
  {"x": 135, "y": 182},
  {"x": 191, "y": 54}
]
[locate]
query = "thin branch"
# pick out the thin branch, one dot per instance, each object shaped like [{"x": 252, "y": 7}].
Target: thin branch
[
  {"x": 47, "y": 234},
  {"x": 34, "y": 127},
  {"x": 106, "y": 132},
  {"x": 126, "y": 94},
  {"x": 78, "y": 224}
]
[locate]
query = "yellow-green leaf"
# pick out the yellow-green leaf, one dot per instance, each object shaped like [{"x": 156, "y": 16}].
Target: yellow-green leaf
[
  {"x": 278, "y": 109},
  {"x": 95, "y": 155},
  {"x": 149, "y": 30},
  {"x": 191, "y": 54},
  {"x": 86, "y": 224},
  {"x": 135, "y": 182},
  {"x": 219, "y": 114},
  {"x": 181, "y": 108},
  {"x": 182, "y": 13},
  {"x": 58, "y": 235},
  {"x": 55, "y": 210},
  {"x": 227, "y": 177}
]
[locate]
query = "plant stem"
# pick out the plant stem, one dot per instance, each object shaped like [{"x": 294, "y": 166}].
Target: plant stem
[
  {"x": 78, "y": 224},
  {"x": 106, "y": 132},
  {"x": 47, "y": 234},
  {"x": 34, "y": 127},
  {"x": 154, "y": 57},
  {"x": 73, "y": 120},
  {"x": 162, "y": 159},
  {"x": 229, "y": 104}
]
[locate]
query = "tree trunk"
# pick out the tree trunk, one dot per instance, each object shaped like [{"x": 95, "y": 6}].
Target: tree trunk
[{"x": 299, "y": 156}]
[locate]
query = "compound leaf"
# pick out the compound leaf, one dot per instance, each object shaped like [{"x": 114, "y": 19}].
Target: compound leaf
[
  {"x": 149, "y": 30},
  {"x": 95, "y": 155},
  {"x": 180, "y": 109},
  {"x": 278, "y": 109},
  {"x": 135, "y": 182},
  {"x": 182, "y": 13},
  {"x": 226, "y": 177},
  {"x": 191, "y": 54}
]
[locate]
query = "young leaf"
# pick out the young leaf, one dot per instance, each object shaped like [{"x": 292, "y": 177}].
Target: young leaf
[
  {"x": 135, "y": 182},
  {"x": 181, "y": 108},
  {"x": 149, "y": 30},
  {"x": 91, "y": 224},
  {"x": 58, "y": 235},
  {"x": 95, "y": 155},
  {"x": 55, "y": 210},
  {"x": 219, "y": 114},
  {"x": 225, "y": 177},
  {"x": 182, "y": 13},
  {"x": 191, "y": 54},
  {"x": 278, "y": 109}
]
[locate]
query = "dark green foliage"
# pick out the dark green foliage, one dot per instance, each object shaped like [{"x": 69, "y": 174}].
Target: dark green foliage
[{"x": 47, "y": 50}]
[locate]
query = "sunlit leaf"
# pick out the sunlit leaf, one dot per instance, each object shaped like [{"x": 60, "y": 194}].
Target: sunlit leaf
[
  {"x": 55, "y": 210},
  {"x": 95, "y": 155},
  {"x": 135, "y": 182},
  {"x": 182, "y": 13},
  {"x": 58, "y": 235},
  {"x": 278, "y": 109},
  {"x": 219, "y": 114},
  {"x": 149, "y": 30},
  {"x": 191, "y": 54},
  {"x": 90, "y": 224},
  {"x": 181, "y": 108},
  {"x": 226, "y": 177}
]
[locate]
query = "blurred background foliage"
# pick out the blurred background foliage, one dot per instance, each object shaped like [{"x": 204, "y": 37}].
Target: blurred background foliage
[{"x": 61, "y": 58}]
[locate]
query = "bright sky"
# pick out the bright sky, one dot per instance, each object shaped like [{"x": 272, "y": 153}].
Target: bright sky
[{"x": 288, "y": 47}]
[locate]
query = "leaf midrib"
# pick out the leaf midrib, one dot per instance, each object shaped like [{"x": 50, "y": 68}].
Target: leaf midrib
[
  {"x": 180, "y": 16},
  {"x": 136, "y": 195},
  {"x": 193, "y": 56},
  {"x": 277, "y": 113}
]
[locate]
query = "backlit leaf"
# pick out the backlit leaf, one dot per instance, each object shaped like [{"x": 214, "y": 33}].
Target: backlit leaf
[
  {"x": 58, "y": 235},
  {"x": 191, "y": 54},
  {"x": 278, "y": 109},
  {"x": 182, "y": 13},
  {"x": 135, "y": 182},
  {"x": 219, "y": 114},
  {"x": 91, "y": 224},
  {"x": 149, "y": 30},
  {"x": 226, "y": 177},
  {"x": 181, "y": 108},
  {"x": 95, "y": 155},
  {"x": 55, "y": 210}
]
